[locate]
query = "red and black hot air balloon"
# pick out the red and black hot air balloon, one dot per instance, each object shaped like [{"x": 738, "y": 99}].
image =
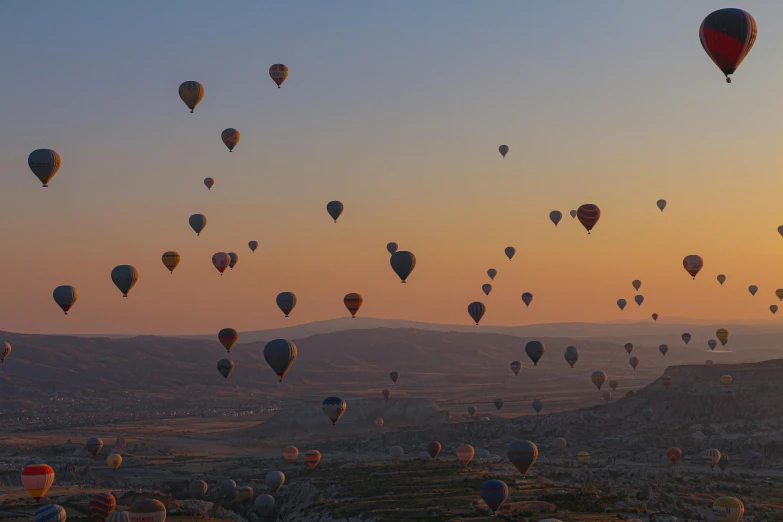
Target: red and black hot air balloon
[
  {"x": 588, "y": 214},
  {"x": 727, "y": 36}
]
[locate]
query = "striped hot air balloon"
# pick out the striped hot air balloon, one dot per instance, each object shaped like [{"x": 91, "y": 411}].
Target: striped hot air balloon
[
  {"x": 147, "y": 510},
  {"x": 290, "y": 453},
  {"x": 44, "y": 163},
  {"x": 353, "y": 302},
  {"x": 49, "y": 513},
  {"x": 312, "y": 458},
  {"x": 465, "y": 454},
  {"x": 171, "y": 260},
  {"x": 230, "y": 138},
  {"x": 5, "y": 351},
  {"x": 278, "y": 72},
  {"x": 118, "y": 516},
  {"x": 191, "y": 93},
  {"x": 334, "y": 408},
  {"x": 727, "y": 36},
  {"x": 588, "y": 214},
  {"x": 94, "y": 445},
  {"x": 101, "y": 505},
  {"x": 37, "y": 479},
  {"x": 476, "y": 310}
]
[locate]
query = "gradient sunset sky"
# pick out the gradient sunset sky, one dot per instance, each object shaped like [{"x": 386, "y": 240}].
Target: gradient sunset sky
[{"x": 396, "y": 109}]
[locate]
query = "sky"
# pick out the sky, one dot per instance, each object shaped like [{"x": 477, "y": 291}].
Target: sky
[{"x": 396, "y": 110}]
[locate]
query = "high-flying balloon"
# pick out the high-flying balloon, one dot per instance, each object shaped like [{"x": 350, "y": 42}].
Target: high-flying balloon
[
  {"x": 353, "y": 302},
  {"x": 538, "y": 405},
  {"x": 639, "y": 299},
  {"x": 391, "y": 247},
  {"x": 113, "y": 460},
  {"x": 378, "y": 422},
  {"x": 498, "y": 403},
  {"x": 721, "y": 279},
  {"x": 654, "y": 317},
  {"x": 555, "y": 216},
  {"x": 228, "y": 487},
  {"x": 573, "y": 213},
  {"x": 280, "y": 355},
  {"x": 286, "y": 301},
  {"x": 686, "y": 337},
  {"x": 728, "y": 509},
  {"x": 278, "y": 72},
  {"x": 101, "y": 505},
  {"x": 191, "y": 93},
  {"x": 65, "y": 296},
  {"x": 663, "y": 349},
  {"x": 486, "y": 288},
  {"x": 476, "y": 310},
  {"x": 170, "y": 260},
  {"x": 773, "y": 309},
  {"x": 37, "y": 479},
  {"x": 693, "y": 264},
  {"x": 290, "y": 453},
  {"x": 621, "y": 304},
  {"x": 147, "y": 510},
  {"x": 208, "y": 182},
  {"x": 494, "y": 493},
  {"x": 571, "y": 355},
  {"x": 394, "y": 376},
  {"x": 503, "y": 149},
  {"x": 613, "y": 384},
  {"x": 492, "y": 273},
  {"x": 723, "y": 336},
  {"x": 779, "y": 293},
  {"x": 94, "y": 445},
  {"x": 515, "y": 367},
  {"x": 535, "y": 350},
  {"x": 220, "y": 260},
  {"x": 225, "y": 367},
  {"x": 403, "y": 263},
  {"x": 628, "y": 348},
  {"x": 433, "y": 448},
  {"x": 124, "y": 278},
  {"x": 712, "y": 343},
  {"x": 727, "y": 36},
  {"x": 44, "y": 163},
  {"x": 230, "y": 138},
  {"x": 5, "y": 352},
  {"x": 527, "y": 298},
  {"x": 634, "y": 362},
  {"x": 253, "y": 245},
  {"x": 228, "y": 337},
  {"x": 522, "y": 454},
  {"x": 49, "y": 513},
  {"x": 510, "y": 251},
  {"x": 334, "y": 407},
  {"x": 233, "y": 259},
  {"x": 198, "y": 489},
  {"x": 588, "y": 215},
  {"x": 197, "y": 223},
  {"x": 661, "y": 203},
  {"x": 274, "y": 480},
  {"x": 465, "y": 454},
  {"x": 335, "y": 208},
  {"x": 598, "y": 378},
  {"x": 636, "y": 284},
  {"x": 753, "y": 289}
]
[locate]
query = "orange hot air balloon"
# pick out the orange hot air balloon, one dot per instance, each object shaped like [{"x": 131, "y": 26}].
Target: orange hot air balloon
[
  {"x": 353, "y": 302},
  {"x": 290, "y": 453},
  {"x": 386, "y": 394},
  {"x": 278, "y": 72},
  {"x": 693, "y": 264},
  {"x": 312, "y": 458},
  {"x": 588, "y": 214},
  {"x": 674, "y": 454},
  {"x": 465, "y": 454},
  {"x": 37, "y": 479},
  {"x": 171, "y": 260},
  {"x": 230, "y": 138},
  {"x": 379, "y": 422}
]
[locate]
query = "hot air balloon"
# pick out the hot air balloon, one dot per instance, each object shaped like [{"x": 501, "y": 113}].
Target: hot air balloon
[
  {"x": 114, "y": 460},
  {"x": 476, "y": 310},
  {"x": 197, "y": 223},
  {"x": 228, "y": 487},
  {"x": 278, "y": 72},
  {"x": 118, "y": 516},
  {"x": 290, "y": 453},
  {"x": 378, "y": 422},
  {"x": 510, "y": 251},
  {"x": 538, "y": 405},
  {"x": 628, "y": 348},
  {"x": 386, "y": 394},
  {"x": 353, "y": 302},
  {"x": 503, "y": 149},
  {"x": 779, "y": 293},
  {"x": 494, "y": 493},
  {"x": 515, "y": 367},
  {"x": 559, "y": 444},
  {"x": 5, "y": 352},
  {"x": 101, "y": 505},
  {"x": 522, "y": 454},
  {"x": 233, "y": 259},
  {"x": 225, "y": 367},
  {"x": 170, "y": 260},
  {"x": 726, "y": 380},
  {"x": 724, "y": 461},
  {"x": 280, "y": 355},
  {"x": 124, "y": 278},
  {"x": 492, "y": 273},
  {"x": 621, "y": 304},
  {"x": 686, "y": 337},
  {"x": 44, "y": 163},
  {"x": 286, "y": 301},
  {"x": 674, "y": 455},
  {"x": 403, "y": 263},
  {"x": 598, "y": 378},
  {"x": 753, "y": 289},
  {"x": 535, "y": 350},
  {"x": 636, "y": 284},
  {"x": 606, "y": 395},
  {"x": 220, "y": 261},
  {"x": 773, "y": 309},
  {"x": 433, "y": 448},
  {"x": 693, "y": 264},
  {"x": 49, "y": 513},
  {"x": 37, "y": 479},
  {"x": 465, "y": 454},
  {"x": 527, "y": 298},
  {"x": 191, "y": 93},
  {"x": 230, "y": 138},
  {"x": 583, "y": 456},
  {"x": 472, "y": 410},
  {"x": 634, "y": 362},
  {"x": 721, "y": 279},
  {"x": 573, "y": 213},
  {"x": 727, "y": 36},
  {"x": 712, "y": 343},
  {"x": 588, "y": 215},
  {"x": 244, "y": 495},
  {"x": 663, "y": 349},
  {"x": 94, "y": 445},
  {"x": 710, "y": 457},
  {"x": 613, "y": 384},
  {"x": 654, "y": 317},
  {"x": 708, "y": 362},
  {"x": 780, "y": 230},
  {"x": 723, "y": 336},
  {"x": 571, "y": 355},
  {"x": 335, "y": 208},
  {"x": 312, "y": 458},
  {"x": 666, "y": 380},
  {"x": 208, "y": 182},
  {"x": 274, "y": 480},
  {"x": 391, "y": 247},
  {"x": 639, "y": 299},
  {"x": 147, "y": 510},
  {"x": 198, "y": 489},
  {"x": 728, "y": 509},
  {"x": 228, "y": 337},
  {"x": 498, "y": 403},
  {"x": 661, "y": 203},
  {"x": 647, "y": 414},
  {"x": 334, "y": 407},
  {"x": 394, "y": 376},
  {"x": 253, "y": 245},
  {"x": 555, "y": 216},
  {"x": 396, "y": 452},
  {"x": 486, "y": 288}
]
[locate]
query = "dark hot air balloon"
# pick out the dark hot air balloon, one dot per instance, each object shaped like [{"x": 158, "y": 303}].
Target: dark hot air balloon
[
  {"x": 515, "y": 367},
  {"x": 394, "y": 376},
  {"x": 403, "y": 263},
  {"x": 65, "y": 296},
  {"x": 527, "y": 298},
  {"x": 334, "y": 208},
  {"x": 522, "y": 454},
  {"x": 230, "y": 138},
  {"x": 476, "y": 310},
  {"x": 535, "y": 350},
  {"x": 494, "y": 493},
  {"x": 191, "y": 93},
  {"x": 197, "y": 223},
  {"x": 588, "y": 215},
  {"x": 124, "y": 278},
  {"x": 278, "y": 72},
  {"x": 727, "y": 36},
  {"x": 571, "y": 355},
  {"x": 353, "y": 302},
  {"x": 280, "y": 354},
  {"x": 334, "y": 407},
  {"x": 433, "y": 448},
  {"x": 44, "y": 163},
  {"x": 286, "y": 301}
]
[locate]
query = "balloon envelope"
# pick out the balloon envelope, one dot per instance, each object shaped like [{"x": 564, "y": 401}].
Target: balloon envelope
[
  {"x": 486, "y": 288},
  {"x": 290, "y": 453},
  {"x": 225, "y": 367},
  {"x": 44, "y": 163},
  {"x": 588, "y": 214},
  {"x": 555, "y": 216},
  {"x": 753, "y": 289},
  {"x": 535, "y": 350},
  {"x": 124, "y": 278},
  {"x": 391, "y": 247},
  {"x": 433, "y": 448},
  {"x": 334, "y": 208},
  {"x": 334, "y": 408},
  {"x": 49, "y": 513},
  {"x": 403, "y": 263},
  {"x": 522, "y": 454},
  {"x": 230, "y": 138},
  {"x": 727, "y": 36},
  {"x": 253, "y": 245},
  {"x": 278, "y": 72},
  {"x": 312, "y": 458},
  {"x": 621, "y": 304},
  {"x": 515, "y": 367},
  {"x": 353, "y": 302},
  {"x": 494, "y": 493},
  {"x": 170, "y": 260},
  {"x": 527, "y": 298},
  {"x": 280, "y": 354},
  {"x": 492, "y": 273},
  {"x": 197, "y": 223},
  {"x": 686, "y": 337},
  {"x": 634, "y": 362},
  {"x": 571, "y": 355},
  {"x": 476, "y": 310},
  {"x": 636, "y": 284},
  {"x": 65, "y": 296},
  {"x": 465, "y": 454},
  {"x": 693, "y": 264},
  {"x": 598, "y": 378},
  {"x": 661, "y": 203},
  {"x": 286, "y": 301},
  {"x": 220, "y": 260},
  {"x": 147, "y": 510},
  {"x": 228, "y": 337},
  {"x": 274, "y": 480},
  {"x": 191, "y": 93},
  {"x": 503, "y": 149}
]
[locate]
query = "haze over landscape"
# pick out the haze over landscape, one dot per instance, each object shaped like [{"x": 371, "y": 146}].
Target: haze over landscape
[{"x": 203, "y": 315}]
